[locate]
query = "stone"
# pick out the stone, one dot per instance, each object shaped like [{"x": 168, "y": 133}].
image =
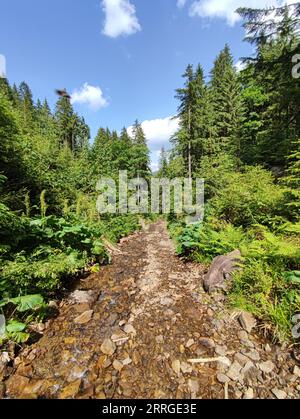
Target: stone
[
  {"x": 243, "y": 336},
  {"x": 247, "y": 368},
  {"x": 279, "y": 394},
  {"x": 254, "y": 355},
  {"x": 181, "y": 349},
  {"x": 159, "y": 339},
  {"x": 186, "y": 368},
  {"x": 129, "y": 329},
  {"x": 221, "y": 350},
  {"x": 118, "y": 365},
  {"x": 221, "y": 271},
  {"x": 241, "y": 359},
  {"x": 84, "y": 317},
  {"x": 166, "y": 301},
  {"x": 207, "y": 343},
  {"x": 234, "y": 371},
  {"x": 176, "y": 366},
  {"x": 249, "y": 394},
  {"x": 83, "y": 297},
  {"x": 247, "y": 321},
  {"x": 108, "y": 347},
  {"x": 71, "y": 390},
  {"x": 222, "y": 378},
  {"x": 193, "y": 386},
  {"x": 190, "y": 343},
  {"x": 127, "y": 361},
  {"x": 296, "y": 371},
  {"x": 267, "y": 367}
]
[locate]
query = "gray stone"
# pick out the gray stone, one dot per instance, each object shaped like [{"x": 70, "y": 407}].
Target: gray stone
[
  {"x": 254, "y": 355},
  {"x": 247, "y": 321},
  {"x": 241, "y": 359},
  {"x": 221, "y": 271},
  {"x": 234, "y": 372},
  {"x": 207, "y": 343},
  {"x": 267, "y": 367},
  {"x": 83, "y": 297}
]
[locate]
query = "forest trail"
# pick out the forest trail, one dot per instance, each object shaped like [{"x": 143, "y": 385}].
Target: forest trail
[{"x": 134, "y": 327}]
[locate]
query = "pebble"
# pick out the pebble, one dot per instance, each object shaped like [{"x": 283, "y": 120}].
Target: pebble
[
  {"x": 222, "y": 378},
  {"x": 190, "y": 343},
  {"x": 296, "y": 371},
  {"x": 254, "y": 355},
  {"x": 234, "y": 371},
  {"x": 108, "y": 347},
  {"x": 207, "y": 342},
  {"x": 221, "y": 350},
  {"x": 267, "y": 367},
  {"x": 241, "y": 359},
  {"x": 247, "y": 321},
  {"x": 118, "y": 365},
  {"x": 176, "y": 366},
  {"x": 193, "y": 386},
  {"x": 84, "y": 317},
  {"x": 249, "y": 394}
]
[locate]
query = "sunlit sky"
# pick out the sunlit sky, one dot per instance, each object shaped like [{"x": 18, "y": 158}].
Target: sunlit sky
[{"x": 120, "y": 59}]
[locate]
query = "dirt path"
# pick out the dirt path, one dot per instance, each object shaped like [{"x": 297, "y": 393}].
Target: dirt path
[{"x": 150, "y": 316}]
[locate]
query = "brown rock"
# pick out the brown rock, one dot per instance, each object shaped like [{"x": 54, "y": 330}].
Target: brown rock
[
  {"x": 247, "y": 321},
  {"x": 84, "y": 317},
  {"x": 71, "y": 390}
]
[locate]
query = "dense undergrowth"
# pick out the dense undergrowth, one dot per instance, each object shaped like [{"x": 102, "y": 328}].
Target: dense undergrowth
[{"x": 251, "y": 213}]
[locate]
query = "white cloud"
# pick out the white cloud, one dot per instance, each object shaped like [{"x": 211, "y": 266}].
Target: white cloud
[
  {"x": 2, "y": 66},
  {"x": 181, "y": 3},
  {"x": 90, "y": 95},
  {"x": 159, "y": 131},
  {"x": 120, "y": 18},
  {"x": 226, "y": 9},
  {"x": 240, "y": 66}
]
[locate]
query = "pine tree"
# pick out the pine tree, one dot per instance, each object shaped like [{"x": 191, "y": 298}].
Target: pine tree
[
  {"x": 65, "y": 122},
  {"x": 26, "y": 107},
  {"x": 140, "y": 160},
  {"x": 163, "y": 163},
  {"x": 226, "y": 102}
]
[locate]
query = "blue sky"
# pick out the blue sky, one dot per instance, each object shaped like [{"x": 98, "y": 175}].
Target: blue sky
[{"x": 121, "y": 59}]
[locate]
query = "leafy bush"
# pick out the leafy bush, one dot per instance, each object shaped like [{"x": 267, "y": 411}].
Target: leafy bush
[{"x": 250, "y": 197}]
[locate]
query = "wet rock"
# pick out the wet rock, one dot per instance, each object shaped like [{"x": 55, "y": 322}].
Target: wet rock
[
  {"x": 71, "y": 390},
  {"x": 176, "y": 366},
  {"x": 249, "y": 394},
  {"x": 267, "y": 367},
  {"x": 84, "y": 317},
  {"x": 279, "y": 394},
  {"x": 16, "y": 385},
  {"x": 108, "y": 347},
  {"x": 247, "y": 321},
  {"x": 221, "y": 270}
]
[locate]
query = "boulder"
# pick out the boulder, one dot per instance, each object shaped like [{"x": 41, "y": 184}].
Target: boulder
[{"x": 221, "y": 271}]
